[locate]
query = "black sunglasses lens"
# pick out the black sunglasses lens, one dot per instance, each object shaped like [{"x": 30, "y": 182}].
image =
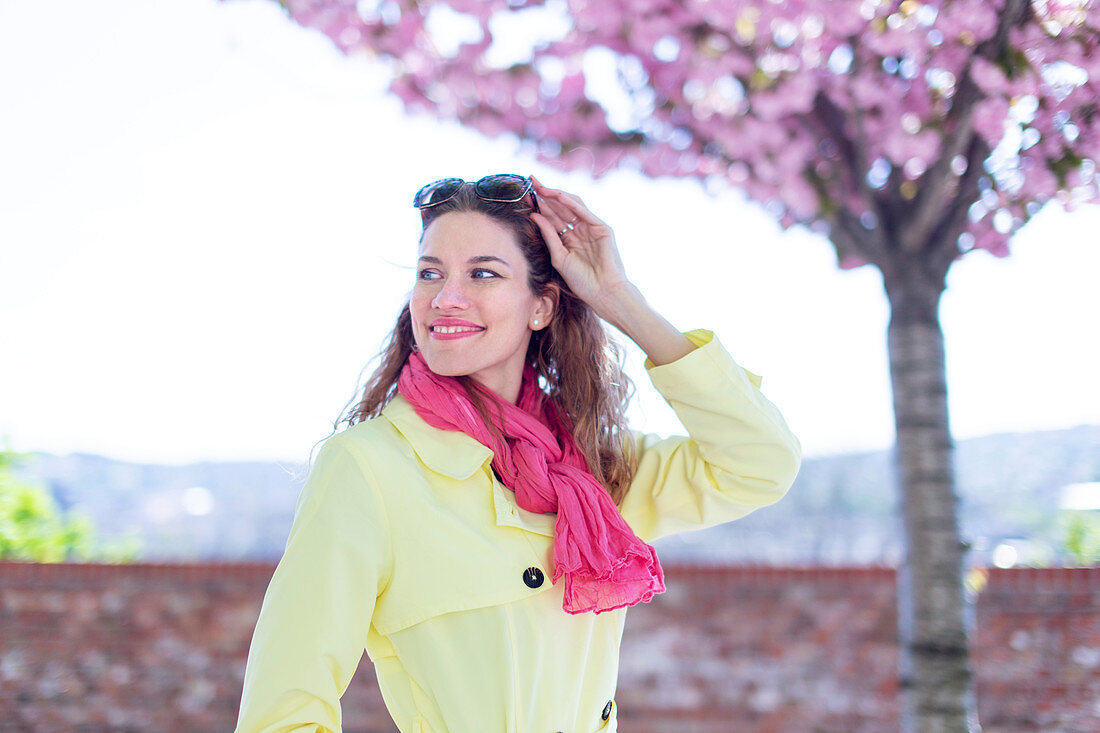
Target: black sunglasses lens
[
  {"x": 503, "y": 187},
  {"x": 437, "y": 192}
]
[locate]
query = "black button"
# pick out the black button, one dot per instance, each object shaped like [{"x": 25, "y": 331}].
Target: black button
[
  {"x": 607, "y": 710},
  {"x": 532, "y": 577}
]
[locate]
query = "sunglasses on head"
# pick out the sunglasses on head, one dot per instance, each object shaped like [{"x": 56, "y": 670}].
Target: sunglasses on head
[{"x": 500, "y": 187}]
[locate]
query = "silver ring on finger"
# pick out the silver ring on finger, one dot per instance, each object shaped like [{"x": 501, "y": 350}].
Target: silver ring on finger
[{"x": 561, "y": 232}]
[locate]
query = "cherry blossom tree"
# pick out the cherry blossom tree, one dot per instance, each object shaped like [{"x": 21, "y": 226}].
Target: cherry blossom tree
[{"x": 907, "y": 132}]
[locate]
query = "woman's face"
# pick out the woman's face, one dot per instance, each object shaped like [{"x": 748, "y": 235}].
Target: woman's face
[{"x": 471, "y": 281}]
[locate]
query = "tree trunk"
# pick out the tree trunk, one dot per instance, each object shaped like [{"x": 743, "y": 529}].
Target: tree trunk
[{"x": 935, "y": 670}]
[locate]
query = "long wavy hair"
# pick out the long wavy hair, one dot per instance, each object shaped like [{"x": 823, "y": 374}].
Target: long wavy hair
[{"x": 579, "y": 367}]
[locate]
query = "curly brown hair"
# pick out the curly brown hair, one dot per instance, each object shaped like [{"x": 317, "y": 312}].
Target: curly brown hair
[{"x": 579, "y": 364}]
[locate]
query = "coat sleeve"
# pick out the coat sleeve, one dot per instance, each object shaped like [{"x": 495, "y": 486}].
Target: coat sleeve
[
  {"x": 313, "y": 624},
  {"x": 739, "y": 456}
]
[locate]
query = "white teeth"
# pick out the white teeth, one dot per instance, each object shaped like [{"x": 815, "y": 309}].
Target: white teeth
[{"x": 453, "y": 329}]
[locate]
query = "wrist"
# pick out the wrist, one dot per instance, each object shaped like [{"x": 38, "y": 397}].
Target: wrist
[
  {"x": 626, "y": 309},
  {"x": 620, "y": 304}
]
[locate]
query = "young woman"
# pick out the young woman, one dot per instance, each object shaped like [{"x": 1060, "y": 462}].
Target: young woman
[{"x": 482, "y": 525}]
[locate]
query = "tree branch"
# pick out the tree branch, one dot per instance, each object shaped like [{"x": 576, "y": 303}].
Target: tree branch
[
  {"x": 857, "y": 154},
  {"x": 855, "y": 162},
  {"x": 929, "y": 200},
  {"x": 942, "y": 248},
  {"x": 849, "y": 235}
]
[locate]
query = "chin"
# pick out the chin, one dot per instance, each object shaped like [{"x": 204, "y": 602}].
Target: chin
[{"x": 444, "y": 367}]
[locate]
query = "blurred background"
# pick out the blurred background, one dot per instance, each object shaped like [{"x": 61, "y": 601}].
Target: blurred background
[{"x": 206, "y": 234}]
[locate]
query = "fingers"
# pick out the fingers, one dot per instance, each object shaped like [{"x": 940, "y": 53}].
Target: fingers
[
  {"x": 561, "y": 225},
  {"x": 569, "y": 199},
  {"x": 565, "y": 206},
  {"x": 550, "y": 236},
  {"x": 561, "y": 220},
  {"x": 564, "y": 223},
  {"x": 554, "y": 210}
]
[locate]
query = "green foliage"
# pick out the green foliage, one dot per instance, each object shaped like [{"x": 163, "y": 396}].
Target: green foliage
[
  {"x": 1082, "y": 542},
  {"x": 33, "y": 529}
]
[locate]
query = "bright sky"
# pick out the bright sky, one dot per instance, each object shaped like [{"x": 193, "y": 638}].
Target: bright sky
[{"x": 205, "y": 234}]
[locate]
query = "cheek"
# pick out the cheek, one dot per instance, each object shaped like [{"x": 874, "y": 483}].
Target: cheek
[
  {"x": 419, "y": 303},
  {"x": 514, "y": 308}
]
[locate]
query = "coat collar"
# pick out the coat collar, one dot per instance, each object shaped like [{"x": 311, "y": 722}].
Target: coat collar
[
  {"x": 454, "y": 453},
  {"x": 449, "y": 452}
]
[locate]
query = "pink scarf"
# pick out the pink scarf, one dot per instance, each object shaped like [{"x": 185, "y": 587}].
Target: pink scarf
[{"x": 604, "y": 564}]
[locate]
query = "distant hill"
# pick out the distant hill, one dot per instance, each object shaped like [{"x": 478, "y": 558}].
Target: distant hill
[
  {"x": 841, "y": 510},
  {"x": 845, "y": 509}
]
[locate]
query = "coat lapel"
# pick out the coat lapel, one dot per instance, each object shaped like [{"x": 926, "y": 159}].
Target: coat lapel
[
  {"x": 449, "y": 452},
  {"x": 455, "y": 454}
]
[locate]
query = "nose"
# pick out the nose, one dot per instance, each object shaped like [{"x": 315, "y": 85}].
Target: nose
[{"x": 451, "y": 295}]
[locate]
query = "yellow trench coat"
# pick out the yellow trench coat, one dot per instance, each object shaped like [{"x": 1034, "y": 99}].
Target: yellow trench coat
[{"x": 405, "y": 544}]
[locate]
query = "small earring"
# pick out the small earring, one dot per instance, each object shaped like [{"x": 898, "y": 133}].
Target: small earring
[
  {"x": 416, "y": 348},
  {"x": 536, "y": 321}
]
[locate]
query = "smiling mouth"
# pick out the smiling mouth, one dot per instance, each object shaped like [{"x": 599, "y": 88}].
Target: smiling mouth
[{"x": 455, "y": 329}]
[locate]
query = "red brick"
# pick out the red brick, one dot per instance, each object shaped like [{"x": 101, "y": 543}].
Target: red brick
[{"x": 162, "y": 646}]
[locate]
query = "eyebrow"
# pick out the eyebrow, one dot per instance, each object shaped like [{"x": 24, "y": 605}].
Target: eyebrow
[{"x": 472, "y": 261}]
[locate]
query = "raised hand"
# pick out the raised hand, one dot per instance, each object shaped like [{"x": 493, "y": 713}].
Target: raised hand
[
  {"x": 582, "y": 247},
  {"x": 583, "y": 251}
]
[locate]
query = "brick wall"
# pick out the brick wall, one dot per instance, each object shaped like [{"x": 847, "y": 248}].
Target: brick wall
[
  {"x": 763, "y": 650},
  {"x": 162, "y": 647},
  {"x": 1037, "y": 650}
]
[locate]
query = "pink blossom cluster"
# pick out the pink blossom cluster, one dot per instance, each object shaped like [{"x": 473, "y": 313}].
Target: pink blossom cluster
[{"x": 817, "y": 108}]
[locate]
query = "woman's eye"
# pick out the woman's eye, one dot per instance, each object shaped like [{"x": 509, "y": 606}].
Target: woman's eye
[{"x": 478, "y": 274}]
